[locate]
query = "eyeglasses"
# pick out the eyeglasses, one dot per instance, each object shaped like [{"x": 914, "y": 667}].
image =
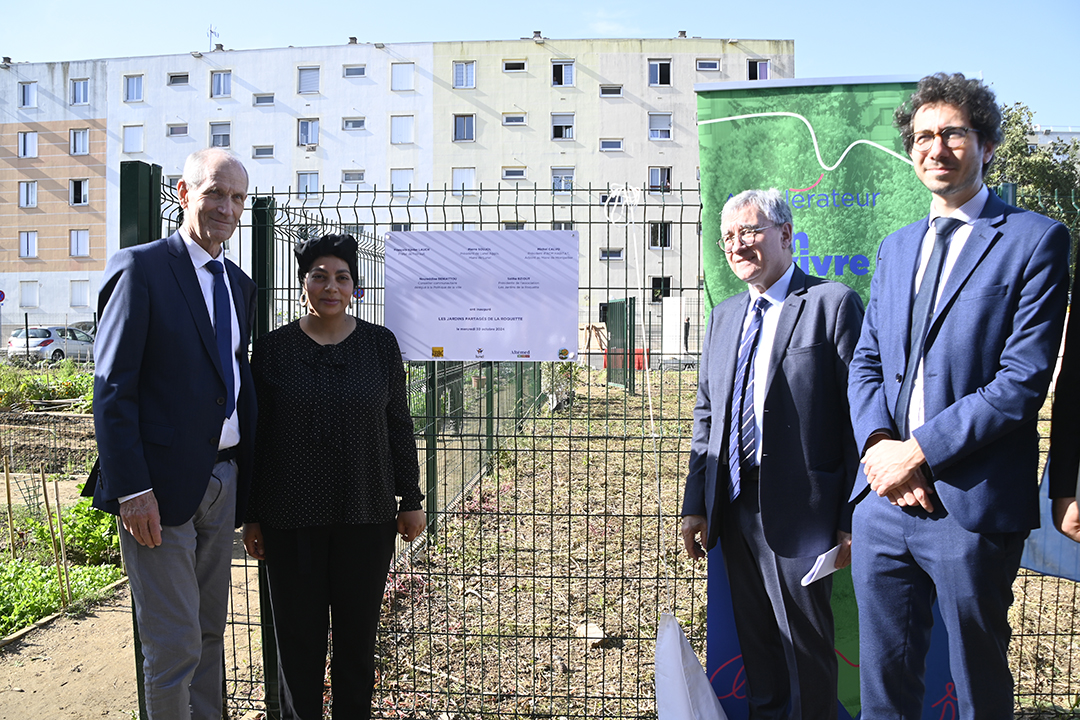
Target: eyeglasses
[
  {"x": 747, "y": 235},
  {"x": 951, "y": 137}
]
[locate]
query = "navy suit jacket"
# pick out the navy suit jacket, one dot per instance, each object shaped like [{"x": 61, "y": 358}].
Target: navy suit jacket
[
  {"x": 808, "y": 453},
  {"x": 988, "y": 359},
  {"x": 159, "y": 386}
]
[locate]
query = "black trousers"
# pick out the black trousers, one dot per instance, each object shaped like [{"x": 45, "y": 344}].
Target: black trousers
[{"x": 315, "y": 573}]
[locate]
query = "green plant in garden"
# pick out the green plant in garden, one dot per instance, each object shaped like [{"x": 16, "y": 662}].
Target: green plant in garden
[
  {"x": 19, "y": 386},
  {"x": 29, "y": 591}
]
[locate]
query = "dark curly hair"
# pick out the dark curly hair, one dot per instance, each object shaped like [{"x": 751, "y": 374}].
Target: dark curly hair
[
  {"x": 968, "y": 94},
  {"x": 310, "y": 250}
]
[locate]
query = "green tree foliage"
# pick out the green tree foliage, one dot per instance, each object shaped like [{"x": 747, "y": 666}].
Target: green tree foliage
[{"x": 1047, "y": 178}]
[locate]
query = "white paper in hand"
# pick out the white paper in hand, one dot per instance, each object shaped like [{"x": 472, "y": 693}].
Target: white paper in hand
[
  {"x": 683, "y": 691},
  {"x": 825, "y": 565}
]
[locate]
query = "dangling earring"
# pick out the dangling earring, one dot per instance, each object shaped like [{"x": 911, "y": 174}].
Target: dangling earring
[{"x": 304, "y": 301}]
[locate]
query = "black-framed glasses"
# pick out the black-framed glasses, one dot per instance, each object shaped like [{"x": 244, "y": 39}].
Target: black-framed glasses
[
  {"x": 951, "y": 137},
  {"x": 747, "y": 234}
]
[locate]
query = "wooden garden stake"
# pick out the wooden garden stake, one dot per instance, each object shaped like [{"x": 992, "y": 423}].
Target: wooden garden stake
[
  {"x": 52, "y": 534},
  {"x": 10, "y": 516},
  {"x": 63, "y": 545}
]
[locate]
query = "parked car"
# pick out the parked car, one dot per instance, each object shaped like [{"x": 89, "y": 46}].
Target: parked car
[
  {"x": 87, "y": 326},
  {"x": 50, "y": 343}
]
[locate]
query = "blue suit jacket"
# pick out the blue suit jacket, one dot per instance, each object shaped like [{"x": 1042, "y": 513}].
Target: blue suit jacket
[
  {"x": 809, "y": 458},
  {"x": 988, "y": 359},
  {"x": 158, "y": 384}
]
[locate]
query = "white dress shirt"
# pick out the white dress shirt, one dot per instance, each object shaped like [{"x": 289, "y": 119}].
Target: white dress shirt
[
  {"x": 230, "y": 429},
  {"x": 775, "y": 295},
  {"x": 969, "y": 212}
]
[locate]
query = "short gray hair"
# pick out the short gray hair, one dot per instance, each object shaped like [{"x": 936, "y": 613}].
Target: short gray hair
[
  {"x": 769, "y": 202},
  {"x": 195, "y": 165}
]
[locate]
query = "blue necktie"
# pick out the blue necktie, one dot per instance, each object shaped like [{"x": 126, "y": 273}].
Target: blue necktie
[
  {"x": 223, "y": 330},
  {"x": 921, "y": 312},
  {"x": 743, "y": 428}
]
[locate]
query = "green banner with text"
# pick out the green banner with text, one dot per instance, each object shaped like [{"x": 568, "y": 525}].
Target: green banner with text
[{"x": 830, "y": 148}]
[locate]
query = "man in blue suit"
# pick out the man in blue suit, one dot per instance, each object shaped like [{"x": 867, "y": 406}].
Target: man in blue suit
[
  {"x": 174, "y": 414},
  {"x": 956, "y": 353},
  {"x": 773, "y": 458}
]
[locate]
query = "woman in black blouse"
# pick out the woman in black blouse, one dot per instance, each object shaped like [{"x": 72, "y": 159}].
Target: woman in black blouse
[{"x": 334, "y": 447}]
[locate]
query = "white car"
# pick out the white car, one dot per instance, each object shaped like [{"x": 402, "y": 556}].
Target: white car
[{"x": 50, "y": 343}]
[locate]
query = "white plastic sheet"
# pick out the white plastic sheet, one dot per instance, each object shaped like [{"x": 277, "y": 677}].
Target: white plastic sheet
[{"x": 683, "y": 691}]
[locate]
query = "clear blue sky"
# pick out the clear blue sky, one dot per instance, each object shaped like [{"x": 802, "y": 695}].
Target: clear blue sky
[{"x": 1026, "y": 50}]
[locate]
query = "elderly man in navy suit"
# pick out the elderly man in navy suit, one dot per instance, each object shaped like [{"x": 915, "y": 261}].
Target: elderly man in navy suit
[
  {"x": 773, "y": 458},
  {"x": 957, "y": 351},
  {"x": 174, "y": 413}
]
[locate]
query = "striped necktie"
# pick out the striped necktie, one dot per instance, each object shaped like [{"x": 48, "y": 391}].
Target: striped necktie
[{"x": 742, "y": 433}]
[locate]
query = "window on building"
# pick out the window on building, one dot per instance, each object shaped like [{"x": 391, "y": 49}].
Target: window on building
[
  {"x": 352, "y": 177},
  {"x": 610, "y": 255},
  {"x": 659, "y": 126},
  {"x": 178, "y": 79},
  {"x": 307, "y": 80},
  {"x": 133, "y": 88},
  {"x": 757, "y": 70},
  {"x": 28, "y": 144},
  {"x": 80, "y": 243},
  {"x": 611, "y": 91},
  {"x": 401, "y": 180},
  {"x": 659, "y": 179},
  {"x": 80, "y": 91},
  {"x": 564, "y": 225},
  {"x": 356, "y": 231},
  {"x": 28, "y": 94},
  {"x": 80, "y": 141},
  {"x": 400, "y": 227},
  {"x": 262, "y": 151},
  {"x": 660, "y": 234},
  {"x": 221, "y": 84},
  {"x": 459, "y": 227},
  {"x": 172, "y": 181},
  {"x": 661, "y": 288},
  {"x": 659, "y": 72},
  {"x": 464, "y": 181},
  {"x": 562, "y": 73},
  {"x": 28, "y": 244},
  {"x": 611, "y": 144},
  {"x": 354, "y": 71},
  {"x": 709, "y": 65},
  {"x": 562, "y": 179},
  {"x": 352, "y": 123},
  {"x": 220, "y": 134},
  {"x": 28, "y": 293},
  {"x": 307, "y": 184},
  {"x": 79, "y": 192},
  {"x": 513, "y": 226},
  {"x": 602, "y": 311},
  {"x": 464, "y": 128},
  {"x": 514, "y": 66},
  {"x": 514, "y": 119},
  {"x": 465, "y": 74},
  {"x": 562, "y": 126},
  {"x": 401, "y": 129},
  {"x": 28, "y": 194},
  {"x": 262, "y": 99},
  {"x": 513, "y": 173},
  {"x": 176, "y": 130},
  {"x": 401, "y": 76},
  {"x": 80, "y": 293},
  {"x": 133, "y": 138},
  {"x": 308, "y": 131}
]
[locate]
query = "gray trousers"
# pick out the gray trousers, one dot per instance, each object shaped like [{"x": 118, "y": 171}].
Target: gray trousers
[{"x": 181, "y": 595}]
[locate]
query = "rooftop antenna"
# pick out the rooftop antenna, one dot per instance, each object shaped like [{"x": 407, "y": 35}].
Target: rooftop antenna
[{"x": 211, "y": 34}]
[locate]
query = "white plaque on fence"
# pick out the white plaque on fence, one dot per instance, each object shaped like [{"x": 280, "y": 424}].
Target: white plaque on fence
[{"x": 483, "y": 295}]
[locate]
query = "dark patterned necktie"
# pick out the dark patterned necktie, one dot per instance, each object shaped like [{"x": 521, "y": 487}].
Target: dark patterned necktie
[
  {"x": 223, "y": 330},
  {"x": 921, "y": 312},
  {"x": 742, "y": 431}
]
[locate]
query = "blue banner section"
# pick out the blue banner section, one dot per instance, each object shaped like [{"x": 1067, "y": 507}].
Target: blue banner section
[{"x": 1047, "y": 551}]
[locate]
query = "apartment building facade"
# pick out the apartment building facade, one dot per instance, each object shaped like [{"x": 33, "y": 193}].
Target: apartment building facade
[{"x": 565, "y": 116}]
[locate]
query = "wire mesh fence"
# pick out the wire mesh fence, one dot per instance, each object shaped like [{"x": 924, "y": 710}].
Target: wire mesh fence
[{"x": 553, "y": 489}]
